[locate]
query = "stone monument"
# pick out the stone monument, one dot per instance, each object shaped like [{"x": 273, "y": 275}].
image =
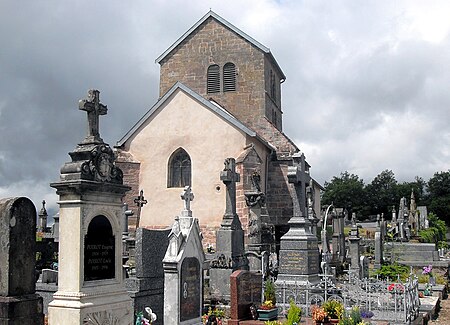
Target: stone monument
[
  {"x": 229, "y": 239},
  {"x": 18, "y": 302},
  {"x": 355, "y": 255},
  {"x": 183, "y": 268},
  {"x": 90, "y": 281},
  {"x": 378, "y": 245},
  {"x": 299, "y": 250}
]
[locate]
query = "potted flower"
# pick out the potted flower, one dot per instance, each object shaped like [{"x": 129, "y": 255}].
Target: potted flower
[
  {"x": 334, "y": 310},
  {"x": 294, "y": 314},
  {"x": 318, "y": 314},
  {"x": 267, "y": 311},
  {"x": 214, "y": 316},
  {"x": 395, "y": 288}
]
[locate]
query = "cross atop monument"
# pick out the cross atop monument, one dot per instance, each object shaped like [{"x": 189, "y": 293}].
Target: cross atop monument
[
  {"x": 94, "y": 109},
  {"x": 230, "y": 177},
  {"x": 187, "y": 196},
  {"x": 299, "y": 176},
  {"x": 140, "y": 202}
]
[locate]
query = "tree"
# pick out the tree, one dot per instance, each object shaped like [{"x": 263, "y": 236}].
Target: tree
[
  {"x": 382, "y": 192},
  {"x": 346, "y": 191},
  {"x": 439, "y": 195}
]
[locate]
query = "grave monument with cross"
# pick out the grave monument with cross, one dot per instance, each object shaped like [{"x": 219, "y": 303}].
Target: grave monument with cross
[
  {"x": 229, "y": 238},
  {"x": 299, "y": 250},
  {"x": 183, "y": 268},
  {"x": 90, "y": 188},
  {"x": 140, "y": 201}
]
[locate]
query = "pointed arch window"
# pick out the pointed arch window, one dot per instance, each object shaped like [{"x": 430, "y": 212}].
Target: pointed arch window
[
  {"x": 179, "y": 169},
  {"x": 229, "y": 77},
  {"x": 213, "y": 79}
]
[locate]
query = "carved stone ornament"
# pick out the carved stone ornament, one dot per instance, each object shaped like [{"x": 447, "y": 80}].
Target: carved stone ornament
[
  {"x": 101, "y": 165},
  {"x": 103, "y": 318},
  {"x": 222, "y": 262}
]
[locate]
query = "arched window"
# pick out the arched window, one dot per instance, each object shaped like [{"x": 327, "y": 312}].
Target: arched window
[
  {"x": 213, "y": 79},
  {"x": 179, "y": 169},
  {"x": 229, "y": 77}
]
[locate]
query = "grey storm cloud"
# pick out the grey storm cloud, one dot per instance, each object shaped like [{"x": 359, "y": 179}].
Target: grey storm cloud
[{"x": 366, "y": 89}]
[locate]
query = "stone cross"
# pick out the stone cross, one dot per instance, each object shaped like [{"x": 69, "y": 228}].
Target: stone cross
[
  {"x": 229, "y": 177},
  {"x": 94, "y": 109},
  {"x": 140, "y": 202},
  {"x": 187, "y": 195},
  {"x": 299, "y": 176}
]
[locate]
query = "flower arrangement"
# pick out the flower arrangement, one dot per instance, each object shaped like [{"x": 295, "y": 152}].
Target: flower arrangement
[
  {"x": 318, "y": 314},
  {"x": 396, "y": 288},
  {"x": 366, "y": 314},
  {"x": 334, "y": 308},
  {"x": 214, "y": 316},
  {"x": 269, "y": 291},
  {"x": 141, "y": 320},
  {"x": 428, "y": 270}
]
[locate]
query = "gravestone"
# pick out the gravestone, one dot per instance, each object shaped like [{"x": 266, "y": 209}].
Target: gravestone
[
  {"x": 299, "y": 250},
  {"x": 354, "y": 240},
  {"x": 260, "y": 232},
  {"x": 378, "y": 245},
  {"x": 42, "y": 219},
  {"x": 146, "y": 287},
  {"x": 183, "y": 268},
  {"x": 229, "y": 238},
  {"x": 246, "y": 290},
  {"x": 19, "y": 304},
  {"x": 364, "y": 264},
  {"x": 338, "y": 239},
  {"x": 90, "y": 281}
]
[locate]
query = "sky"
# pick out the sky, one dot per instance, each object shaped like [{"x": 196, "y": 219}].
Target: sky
[{"x": 367, "y": 88}]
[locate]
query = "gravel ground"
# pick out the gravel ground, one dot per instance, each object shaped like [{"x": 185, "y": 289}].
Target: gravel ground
[{"x": 444, "y": 314}]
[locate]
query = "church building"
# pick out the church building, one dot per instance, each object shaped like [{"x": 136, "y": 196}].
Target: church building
[{"x": 220, "y": 97}]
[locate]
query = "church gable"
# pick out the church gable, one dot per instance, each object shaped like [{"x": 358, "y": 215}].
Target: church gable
[{"x": 219, "y": 61}]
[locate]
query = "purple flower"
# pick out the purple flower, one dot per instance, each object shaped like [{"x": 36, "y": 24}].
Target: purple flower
[{"x": 427, "y": 269}]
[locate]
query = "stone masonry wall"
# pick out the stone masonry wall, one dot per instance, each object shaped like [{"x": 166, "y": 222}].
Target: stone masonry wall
[
  {"x": 213, "y": 43},
  {"x": 279, "y": 201}
]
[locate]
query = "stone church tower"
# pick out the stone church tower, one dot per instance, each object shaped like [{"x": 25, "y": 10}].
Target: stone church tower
[{"x": 229, "y": 73}]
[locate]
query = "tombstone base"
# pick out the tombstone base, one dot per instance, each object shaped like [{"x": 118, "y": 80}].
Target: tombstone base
[
  {"x": 301, "y": 280},
  {"x": 219, "y": 281},
  {"x": 21, "y": 310},
  {"x": 76, "y": 308}
]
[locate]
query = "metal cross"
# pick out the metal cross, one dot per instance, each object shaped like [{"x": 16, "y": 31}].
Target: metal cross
[
  {"x": 299, "y": 176},
  {"x": 187, "y": 195},
  {"x": 94, "y": 109},
  {"x": 140, "y": 202}
]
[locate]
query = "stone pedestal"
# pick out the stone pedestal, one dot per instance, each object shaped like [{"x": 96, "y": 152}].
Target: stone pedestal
[{"x": 90, "y": 282}]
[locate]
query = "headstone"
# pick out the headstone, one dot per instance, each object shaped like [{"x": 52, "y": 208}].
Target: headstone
[
  {"x": 260, "y": 234},
  {"x": 338, "y": 239},
  {"x": 229, "y": 239},
  {"x": 140, "y": 201},
  {"x": 354, "y": 240},
  {"x": 42, "y": 219},
  {"x": 146, "y": 287},
  {"x": 183, "y": 269},
  {"x": 90, "y": 280},
  {"x": 246, "y": 290},
  {"x": 413, "y": 216},
  {"x": 310, "y": 202},
  {"x": 299, "y": 250},
  {"x": 18, "y": 302},
  {"x": 378, "y": 245},
  {"x": 364, "y": 264}
]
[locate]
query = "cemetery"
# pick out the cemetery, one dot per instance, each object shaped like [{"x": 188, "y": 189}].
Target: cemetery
[{"x": 99, "y": 264}]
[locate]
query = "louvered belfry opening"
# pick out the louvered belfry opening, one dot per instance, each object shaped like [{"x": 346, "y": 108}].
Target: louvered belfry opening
[
  {"x": 213, "y": 80},
  {"x": 229, "y": 77}
]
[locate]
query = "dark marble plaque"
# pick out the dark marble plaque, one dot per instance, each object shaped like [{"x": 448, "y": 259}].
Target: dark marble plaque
[
  {"x": 99, "y": 250},
  {"x": 190, "y": 289}
]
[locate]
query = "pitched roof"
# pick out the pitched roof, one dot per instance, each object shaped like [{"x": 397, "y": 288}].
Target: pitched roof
[
  {"x": 229, "y": 26},
  {"x": 213, "y": 106}
]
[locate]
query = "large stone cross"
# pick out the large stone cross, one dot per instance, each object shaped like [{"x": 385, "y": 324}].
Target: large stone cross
[
  {"x": 299, "y": 177},
  {"x": 94, "y": 109},
  {"x": 187, "y": 196},
  {"x": 229, "y": 177},
  {"x": 140, "y": 202}
]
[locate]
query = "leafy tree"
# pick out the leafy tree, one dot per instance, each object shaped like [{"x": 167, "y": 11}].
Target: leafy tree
[
  {"x": 382, "y": 192},
  {"x": 418, "y": 186},
  {"x": 439, "y": 195},
  {"x": 346, "y": 191}
]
